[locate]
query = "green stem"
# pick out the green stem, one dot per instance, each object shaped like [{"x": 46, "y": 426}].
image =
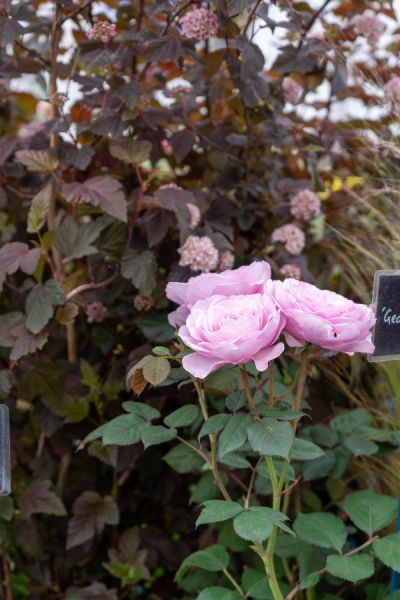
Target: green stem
[
  {"x": 245, "y": 383},
  {"x": 213, "y": 442},
  {"x": 268, "y": 554},
  {"x": 234, "y": 582}
]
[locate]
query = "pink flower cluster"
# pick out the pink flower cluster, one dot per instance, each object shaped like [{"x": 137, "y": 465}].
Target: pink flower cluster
[
  {"x": 199, "y": 253},
  {"x": 291, "y": 236},
  {"x": 143, "y": 303},
  {"x": 291, "y": 90},
  {"x": 199, "y": 24},
  {"x": 392, "y": 90},
  {"x": 369, "y": 26},
  {"x": 102, "y": 30},
  {"x": 305, "y": 205},
  {"x": 236, "y": 316}
]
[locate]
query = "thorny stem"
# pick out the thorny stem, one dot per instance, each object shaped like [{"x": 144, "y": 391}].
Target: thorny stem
[{"x": 213, "y": 442}]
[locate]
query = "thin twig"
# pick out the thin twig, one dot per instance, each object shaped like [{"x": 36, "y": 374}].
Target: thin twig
[
  {"x": 311, "y": 23},
  {"x": 85, "y": 287},
  {"x": 76, "y": 12},
  {"x": 370, "y": 541}
]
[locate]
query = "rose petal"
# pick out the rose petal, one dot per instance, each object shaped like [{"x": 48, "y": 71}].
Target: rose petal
[
  {"x": 200, "y": 366},
  {"x": 262, "y": 358}
]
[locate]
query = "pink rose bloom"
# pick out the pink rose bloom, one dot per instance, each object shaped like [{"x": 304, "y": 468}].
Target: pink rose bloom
[
  {"x": 245, "y": 280},
  {"x": 231, "y": 331},
  {"x": 322, "y": 317}
]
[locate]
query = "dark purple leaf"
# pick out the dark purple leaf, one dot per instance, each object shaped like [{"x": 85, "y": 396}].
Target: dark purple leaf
[
  {"x": 182, "y": 143},
  {"x": 16, "y": 255},
  {"x": 39, "y": 499},
  {"x": 91, "y": 513},
  {"x": 104, "y": 192}
]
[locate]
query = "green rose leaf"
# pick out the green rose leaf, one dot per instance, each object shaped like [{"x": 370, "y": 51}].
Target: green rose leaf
[
  {"x": 182, "y": 417},
  {"x": 321, "y": 529},
  {"x": 351, "y": 568},
  {"x": 387, "y": 550},
  {"x": 214, "y": 558},
  {"x": 370, "y": 511},
  {"x": 271, "y": 438},
  {"x": 215, "y": 511},
  {"x": 305, "y": 450},
  {"x": 218, "y": 593}
]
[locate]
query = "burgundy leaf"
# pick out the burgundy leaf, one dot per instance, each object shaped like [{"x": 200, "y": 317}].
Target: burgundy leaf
[
  {"x": 17, "y": 255},
  {"x": 39, "y": 499},
  {"x": 104, "y": 192},
  {"x": 91, "y": 513}
]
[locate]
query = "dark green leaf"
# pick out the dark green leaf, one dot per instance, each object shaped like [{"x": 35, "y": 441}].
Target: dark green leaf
[
  {"x": 234, "y": 434},
  {"x": 305, "y": 450},
  {"x": 321, "y": 529},
  {"x": 351, "y": 568},
  {"x": 152, "y": 435},
  {"x": 370, "y": 511},
  {"x": 183, "y": 460},
  {"x": 182, "y": 417},
  {"x": 271, "y": 438},
  {"x": 215, "y": 511},
  {"x": 387, "y": 550}
]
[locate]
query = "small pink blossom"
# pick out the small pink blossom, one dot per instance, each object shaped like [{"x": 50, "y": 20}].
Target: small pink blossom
[
  {"x": 143, "y": 303},
  {"x": 195, "y": 214},
  {"x": 199, "y": 24},
  {"x": 102, "y": 30},
  {"x": 291, "y": 90},
  {"x": 96, "y": 312},
  {"x": 392, "y": 90},
  {"x": 292, "y": 236},
  {"x": 290, "y": 270},
  {"x": 232, "y": 331},
  {"x": 166, "y": 145},
  {"x": 305, "y": 205},
  {"x": 199, "y": 253},
  {"x": 369, "y": 26},
  {"x": 250, "y": 279},
  {"x": 226, "y": 260},
  {"x": 322, "y": 317}
]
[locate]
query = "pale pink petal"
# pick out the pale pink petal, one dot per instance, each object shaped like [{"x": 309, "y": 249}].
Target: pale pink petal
[
  {"x": 262, "y": 358},
  {"x": 292, "y": 341},
  {"x": 200, "y": 366},
  {"x": 176, "y": 292},
  {"x": 178, "y": 317}
]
